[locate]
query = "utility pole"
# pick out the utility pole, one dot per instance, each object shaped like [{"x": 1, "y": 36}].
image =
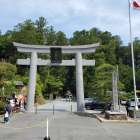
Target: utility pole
[{"x": 132, "y": 55}]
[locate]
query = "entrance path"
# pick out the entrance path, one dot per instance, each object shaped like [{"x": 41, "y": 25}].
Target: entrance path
[
  {"x": 64, "y": 125},
  {"x": 59, "y": 105}
]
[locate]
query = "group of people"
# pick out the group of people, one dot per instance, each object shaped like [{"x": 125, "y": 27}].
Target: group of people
[{"x": 13, "y": 104}]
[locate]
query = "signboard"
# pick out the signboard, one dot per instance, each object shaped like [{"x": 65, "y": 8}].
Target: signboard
[{"x": 56, "y": 55}]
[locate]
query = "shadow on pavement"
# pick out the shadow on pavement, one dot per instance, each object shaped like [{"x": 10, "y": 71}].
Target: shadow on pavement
[{"x": 84, "y": 114}]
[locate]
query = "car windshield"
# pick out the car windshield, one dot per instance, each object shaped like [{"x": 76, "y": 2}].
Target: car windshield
[
  {"x": 133, "y": 100},
  {"x": 88, "y": 99}
]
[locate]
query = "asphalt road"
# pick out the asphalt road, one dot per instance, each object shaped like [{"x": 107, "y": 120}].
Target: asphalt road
[{"x": 64, "y": 125}]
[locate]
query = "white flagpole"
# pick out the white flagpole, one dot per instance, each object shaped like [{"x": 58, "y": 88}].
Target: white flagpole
[{"x": 132, "y": 53}]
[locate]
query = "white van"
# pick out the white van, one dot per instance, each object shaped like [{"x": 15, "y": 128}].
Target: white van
[{"x": 132, "y": 102}]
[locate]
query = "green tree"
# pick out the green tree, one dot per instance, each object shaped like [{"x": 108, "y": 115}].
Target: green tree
[
  {"x": 61, "y": 39},
  {"x": 125, "y": 76},
  {"x": 25, "y": 33},
  {"x": 103, "y": 81},
  {"x": 80, "y": 38},
  {"x": 50, "y": 36},
  {"x": 53, "y": 85},
  {"x": 137, "y": 53},
  {"x": 41, "y": 24},
  {"x": 7, "y": 76},
  {"x": 7, "y": 71},
  {"x": 105, "y": 37},
  {"x": 7, "y": 50},
  {"x": 41, "y": 27}
]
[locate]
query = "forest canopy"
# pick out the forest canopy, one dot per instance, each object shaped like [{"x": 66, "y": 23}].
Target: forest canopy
[{"x": 57, "y": 80}]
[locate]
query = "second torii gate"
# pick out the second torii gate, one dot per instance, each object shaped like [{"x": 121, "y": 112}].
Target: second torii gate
[{"x": 35, "y": 61}]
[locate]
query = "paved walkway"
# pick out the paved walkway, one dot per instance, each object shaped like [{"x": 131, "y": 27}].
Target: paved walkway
[{"x": 65, "y": 125}]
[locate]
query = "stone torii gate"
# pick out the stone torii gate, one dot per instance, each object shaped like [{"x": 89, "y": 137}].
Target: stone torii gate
[{"x": 34, "y": 61}]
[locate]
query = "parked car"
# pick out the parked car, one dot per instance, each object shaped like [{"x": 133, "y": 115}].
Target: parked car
[
  {"x": 131, "y": 102},
  {"x": 88, "y": 100},
  {"x": 123, "y": 102},
  {"x": 97, "y": 105}
]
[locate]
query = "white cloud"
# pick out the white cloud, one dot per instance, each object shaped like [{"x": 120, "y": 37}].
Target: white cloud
[{"x": 71, "y": 15}]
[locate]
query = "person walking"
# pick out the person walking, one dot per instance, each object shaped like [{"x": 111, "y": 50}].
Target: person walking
[
  {"x": 6, "y": 117},
  {"x": 127, "y": 105},
  {"x": 8, "y": 111}
]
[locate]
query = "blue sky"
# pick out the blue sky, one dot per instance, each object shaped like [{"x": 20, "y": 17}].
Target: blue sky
[{"x": 71, "y": 15}]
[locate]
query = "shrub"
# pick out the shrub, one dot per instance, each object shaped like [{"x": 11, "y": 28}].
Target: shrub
[
  {"x": 40, "y": 100},
  {"x": 2, "y": 104}
]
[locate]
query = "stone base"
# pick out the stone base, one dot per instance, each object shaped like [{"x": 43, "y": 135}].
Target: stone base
[
  {"x": 137, "y": 114},
  {"x": 115, "y": 115},
  {"x": 133, "y": 113}
]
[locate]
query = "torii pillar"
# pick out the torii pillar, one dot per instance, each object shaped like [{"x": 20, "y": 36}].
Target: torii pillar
[
  {"x": 79, "y": 83},
  {"x": 32, "y": 82},
  {"x": 34, "y": 61}
]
